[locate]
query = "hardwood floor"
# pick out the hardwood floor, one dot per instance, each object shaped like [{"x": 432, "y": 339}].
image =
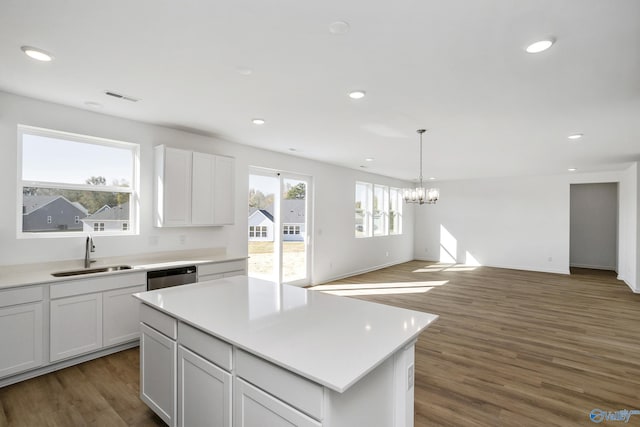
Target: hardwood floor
[
  {"x": 516, "y": 348},
  {"x": 511, "y": 348},
  {"x": 101, "y": 392}
]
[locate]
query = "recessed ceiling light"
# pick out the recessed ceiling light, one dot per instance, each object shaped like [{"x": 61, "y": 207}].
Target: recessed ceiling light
[
  {"x": 37, "y": 54},
  {"x": 95, "y": 105},
  {"x": 357, "y": 94},
  {"x": 432, "y": 178},
  {"x": 540, "y": 46},
  {"x": 572, "y": 169},
  {"x": 258, "y": 121},
  {"x": 575, "y": 136},
  {"x": 339, "y": 27},
  {"x": 244, "y": 71},
  {"x": 369, "y": 159}
]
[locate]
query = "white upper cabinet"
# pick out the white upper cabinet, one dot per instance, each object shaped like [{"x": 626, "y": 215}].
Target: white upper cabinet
[{"x": 193, "y": 188}]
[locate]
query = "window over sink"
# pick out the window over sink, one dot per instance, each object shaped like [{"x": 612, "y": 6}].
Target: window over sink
[{"x": 70, "y": 184}]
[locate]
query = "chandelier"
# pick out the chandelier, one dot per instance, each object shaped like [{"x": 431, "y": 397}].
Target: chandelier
[{"x": 420, "y": 194}]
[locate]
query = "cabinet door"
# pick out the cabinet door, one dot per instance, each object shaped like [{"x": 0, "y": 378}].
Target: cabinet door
[
  {"x": 76, "y": 325},
  {"x": 121, "y": 315},
  {"x": 158, "y": 373},
  {"x": 173, "y": 177},
  {"x": 202, "y": 203},
  {"x": 224, "y": 191},
  {"x": 204, "y": 392},
  {"x": 21, "y": 338},
  {"x": 255, "y": 408}
]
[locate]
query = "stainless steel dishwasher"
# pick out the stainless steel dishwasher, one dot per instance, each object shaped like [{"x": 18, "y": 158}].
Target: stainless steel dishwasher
[{"x": 166, "y": 278}]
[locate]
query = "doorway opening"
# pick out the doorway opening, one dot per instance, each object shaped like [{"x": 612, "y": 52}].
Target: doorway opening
[
  {"x": 594, "y": 226},
  {"x": 278, "y": 226}
]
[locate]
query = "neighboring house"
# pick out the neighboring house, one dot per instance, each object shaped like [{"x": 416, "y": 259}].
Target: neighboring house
[
  {"x": 108, "y": 219},
  {"x": 293, "y": 222},
  {"x": 51, "y": 213},
  {"x": 260, "y": 225}
]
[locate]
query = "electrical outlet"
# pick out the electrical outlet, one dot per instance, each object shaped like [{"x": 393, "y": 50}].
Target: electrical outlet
[
  {"x": 183, "y": 239},
  {"x": 387, "y": 253},
  {"x": 550, "y": 259},
  {"x": 410, "y": 377}
]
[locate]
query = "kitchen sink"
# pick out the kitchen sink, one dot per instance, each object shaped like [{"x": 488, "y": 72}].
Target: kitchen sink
[{"x": 91, "y": 270}]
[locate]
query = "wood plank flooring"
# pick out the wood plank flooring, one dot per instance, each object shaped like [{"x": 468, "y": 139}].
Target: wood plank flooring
[
  {"x": 511, "y": 348},
  {"x": 516, "y": 348}
]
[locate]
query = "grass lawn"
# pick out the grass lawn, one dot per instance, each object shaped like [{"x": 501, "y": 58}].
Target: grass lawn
[{"x": 261, "y": 260}]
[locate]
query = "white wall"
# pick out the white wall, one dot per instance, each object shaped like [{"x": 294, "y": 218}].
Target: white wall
[
  {"x": 520, "y": 223},
  {"x": 337, "y": 252},
  {"x": 594, "y": 226}
]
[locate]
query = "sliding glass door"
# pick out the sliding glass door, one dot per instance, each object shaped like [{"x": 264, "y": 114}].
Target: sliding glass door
[{"x": 279, "y": 226}]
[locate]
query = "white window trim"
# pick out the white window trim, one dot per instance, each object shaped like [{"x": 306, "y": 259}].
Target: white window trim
[
  {"x": 133, "y": 190},
  {"x": 368, "y": 220}
]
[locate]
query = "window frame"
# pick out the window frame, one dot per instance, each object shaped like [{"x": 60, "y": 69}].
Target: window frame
[
  {"x": 132, "y": 190},
  {"x": 369, "y": 212}
]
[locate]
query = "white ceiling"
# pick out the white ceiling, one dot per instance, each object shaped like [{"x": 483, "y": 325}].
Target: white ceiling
[{"x": 455, "y": 67}]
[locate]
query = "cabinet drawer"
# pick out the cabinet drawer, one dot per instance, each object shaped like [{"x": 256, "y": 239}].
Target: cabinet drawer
[
  {"x": 299, "y": 392},
  {"x": 255, "y": 408},
  {"x": 159, "y": 321},
  {"x": 97, "y": 284},
  {"x": 211, "y": 348},
  {"x": 20, "y": 296},
  {"x": 222, "y": 267}
]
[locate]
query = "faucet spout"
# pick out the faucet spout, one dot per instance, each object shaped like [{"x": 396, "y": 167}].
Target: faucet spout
[{"x": 89, "y": 247}]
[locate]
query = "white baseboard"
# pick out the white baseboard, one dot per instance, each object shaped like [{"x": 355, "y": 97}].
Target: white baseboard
[
  {"x": 594, "y": 267},
  {"x": 364, "y": 270}
]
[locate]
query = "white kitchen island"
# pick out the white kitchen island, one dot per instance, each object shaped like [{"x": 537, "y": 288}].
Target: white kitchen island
[{"x": 245, "y": 352}]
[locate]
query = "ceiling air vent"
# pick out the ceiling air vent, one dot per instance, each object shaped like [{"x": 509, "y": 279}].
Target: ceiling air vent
[{"x": 121, "y": 96}]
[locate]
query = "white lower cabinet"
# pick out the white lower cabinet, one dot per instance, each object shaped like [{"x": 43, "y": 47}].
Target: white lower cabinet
[
  {"x": 20, "y": 338},
  {"x": 158, "y": 373},
  {"x": 76, "y": 325},
  {"x": 120, "y": 315},
  {"x": 218, "y": 270},
  {"x": 204, "y": 392},
  {"x": 255, "y": 408}
]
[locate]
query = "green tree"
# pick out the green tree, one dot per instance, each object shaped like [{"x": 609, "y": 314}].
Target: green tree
[
  {"x": 298, "y": 191},
  {"x": 257, "y": 199}
]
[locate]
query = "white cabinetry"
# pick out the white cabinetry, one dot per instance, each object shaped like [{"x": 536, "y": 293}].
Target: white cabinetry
[
  {"x": 76, "y": 326},
  {"x": 20, "y": 330},
  {"x": 120, "y": 314},
  {"x": 255, "y": 408},
  {"x": 158, "y": 334},
  {"x": 204, "y": 392},
  {"x": 193, "y": 188},
  {"x": 219, "y": 270},
  {"x": 173, "y": 187},
  {"x": 91, "y": 313},
  {"x": 158, "y": 373}
]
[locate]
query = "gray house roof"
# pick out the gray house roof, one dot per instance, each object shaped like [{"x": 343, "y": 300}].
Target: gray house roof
[
  {"x": 106, "y": 213},
  {"x": 33, "y": 203},
  {"x": 293, "y": 211}
]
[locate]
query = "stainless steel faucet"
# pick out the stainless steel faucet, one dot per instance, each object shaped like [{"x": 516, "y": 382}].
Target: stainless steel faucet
[{"x": 89, "y": 247}]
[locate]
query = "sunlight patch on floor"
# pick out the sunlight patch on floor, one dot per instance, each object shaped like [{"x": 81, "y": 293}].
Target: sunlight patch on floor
[
  {"x": 445, "y": 267},
  {"x": 350, "y": 289}
]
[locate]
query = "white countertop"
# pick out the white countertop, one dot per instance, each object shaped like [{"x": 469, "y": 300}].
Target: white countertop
[
  {"x": 31, "y": 274},
  {"x": 331, "y": 340}
]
